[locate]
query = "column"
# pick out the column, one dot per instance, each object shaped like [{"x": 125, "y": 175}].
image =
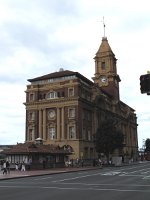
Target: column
[
  {"x": 33, "y": 133},
  {"x": 58, "y": 123},
  {"x": 44, "y": 124},
  {"x": 40, "y": 123},
  {"x": 62, "y": 123}
]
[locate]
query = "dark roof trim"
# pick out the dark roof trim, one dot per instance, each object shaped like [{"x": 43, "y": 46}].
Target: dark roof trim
[
  {"x": 125, "y": 105},
  {"x": 60, "y": 74}
]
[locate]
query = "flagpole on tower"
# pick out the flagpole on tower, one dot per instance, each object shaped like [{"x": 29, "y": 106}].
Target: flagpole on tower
[{"x": 104, "y": 26}]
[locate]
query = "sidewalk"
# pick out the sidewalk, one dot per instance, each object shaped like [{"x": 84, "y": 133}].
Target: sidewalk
[{"x": 20, "y": 174}]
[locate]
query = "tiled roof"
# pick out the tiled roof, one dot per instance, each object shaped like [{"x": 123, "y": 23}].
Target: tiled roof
[
  {"x": 25, "y": 148},
  {"x": 60, "y": 74},
  {"x": 53, "y": 75}
]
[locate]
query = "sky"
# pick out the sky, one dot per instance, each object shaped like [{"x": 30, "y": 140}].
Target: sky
[{"x": 38, "y": 37}]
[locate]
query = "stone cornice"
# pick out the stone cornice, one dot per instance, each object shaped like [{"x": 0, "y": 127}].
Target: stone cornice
[{"x": 52, "y": 103}]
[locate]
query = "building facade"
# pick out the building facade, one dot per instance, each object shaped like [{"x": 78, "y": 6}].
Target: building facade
[
  {"x": 36, "y": 155},
  {"x": 65, "y": 108}
]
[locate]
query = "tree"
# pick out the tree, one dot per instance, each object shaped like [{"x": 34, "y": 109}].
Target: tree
[
  {"x": 108, "y": 138},
  {"x": 147, "y": 145}
]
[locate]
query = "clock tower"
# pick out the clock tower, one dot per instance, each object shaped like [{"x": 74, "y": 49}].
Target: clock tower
[{"x": 106, "y": 76}]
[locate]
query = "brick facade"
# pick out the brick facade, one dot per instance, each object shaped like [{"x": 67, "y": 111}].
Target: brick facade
[{"x": 65, "y": 108}]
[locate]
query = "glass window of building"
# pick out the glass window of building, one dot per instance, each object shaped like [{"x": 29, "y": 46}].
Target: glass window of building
[
  {"x": 31, "y": 97},
  {"x": 31, "y": 134},
  {"x": 71, "y": 112},
  {"x": 52, "y": 95},
  {"x": 52, "y": 133},
  {"x": 84, "y": 134},
  {"x": 70, "y": 92},
  {"x": 71, "y": 132},
  {"x": 31, "y": 116},
  {"x": 89, "y": 135},
  {"x": 103, "y": 65}
]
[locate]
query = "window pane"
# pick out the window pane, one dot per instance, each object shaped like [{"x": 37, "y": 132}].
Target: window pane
[
  {"x": 71, "y": 132},
  {"x": 70, "y": 92},
  {"x": 31, "y": 116},
  {"x": 31, "y": 134},
  {"x": 89, "y": 135},
  {"x": 52, "y": 133},
  {"x": 72, "y": 112},
  {"x": 31, "y": 97},
  {"x": 103, "y": 65},
  {"x": 52, "y": 95}
]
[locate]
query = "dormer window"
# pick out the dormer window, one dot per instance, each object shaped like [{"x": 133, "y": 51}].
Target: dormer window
[{"x": 52, "y": 95}]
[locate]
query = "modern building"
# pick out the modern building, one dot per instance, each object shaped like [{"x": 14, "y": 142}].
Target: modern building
[{"x": 65, "y": 108}]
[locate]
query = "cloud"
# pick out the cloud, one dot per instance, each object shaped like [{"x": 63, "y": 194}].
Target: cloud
[{"x": 40, "y": 36}]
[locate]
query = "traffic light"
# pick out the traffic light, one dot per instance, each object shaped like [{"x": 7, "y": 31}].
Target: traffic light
[{"x": 145, "y": 83}]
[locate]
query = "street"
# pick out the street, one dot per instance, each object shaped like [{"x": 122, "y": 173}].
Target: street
[{"x": 111, "y": 183}]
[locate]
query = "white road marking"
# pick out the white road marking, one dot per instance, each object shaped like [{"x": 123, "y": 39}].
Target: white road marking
[
  {"x": 106, "y": 184},
  {"x": 140, "y": 170},
  {"x": 110, "y": 173},
  {"x": 73, "y": 188},
  {"x": 135, "y": 167},
  {"x": 146, "y": 172},
  {"x": 42, "y": 178},
  {"x": 61, "y": 180},
  {"x": 131, "y": 175},
  {"x": 146, "y": 177}
]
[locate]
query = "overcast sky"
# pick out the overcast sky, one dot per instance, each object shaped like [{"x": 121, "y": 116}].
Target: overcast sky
[{"x": 38, "y": 37}]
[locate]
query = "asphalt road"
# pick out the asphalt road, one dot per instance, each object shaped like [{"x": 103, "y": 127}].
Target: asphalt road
[{"x": 116, "y": 183}]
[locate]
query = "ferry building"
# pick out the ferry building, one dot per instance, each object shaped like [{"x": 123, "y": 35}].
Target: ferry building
[{"x": 65, "y": 108}]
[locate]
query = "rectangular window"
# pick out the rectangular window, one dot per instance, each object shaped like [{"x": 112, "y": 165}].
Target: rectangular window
[
  {"x": 31, "y": 134},
  {"x": 70, "y": 92},
  {"x": 52, "y": 133},
  {"x": 86, "y": 152},
  {"x": 84, "y": 135},
  {"x": 88, "y": 97},
  {"x": 103, "y": 65},
  {"x": 31, "y": 116},
  {"x": 52, "y": 95},
  {"x": 83, "y": 93},
  {"x": 91, "y": 152},
  {"x": 89, "y": 116},
  {"x": 31, "y": 97},
  {"x": 83, "y": 114},
  {"x": 71, "y": 112},
  {"x": 89, "y": 135},
  {"x": 71, "y": 132}
]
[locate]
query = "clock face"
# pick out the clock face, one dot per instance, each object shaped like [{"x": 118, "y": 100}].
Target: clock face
[
  {"x": 51, "y": 114},
  {"x": 103, "y": 79}
]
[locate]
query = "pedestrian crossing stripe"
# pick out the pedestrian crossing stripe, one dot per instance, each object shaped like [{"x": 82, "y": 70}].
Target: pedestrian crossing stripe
[{"x": 110, "y": 173}]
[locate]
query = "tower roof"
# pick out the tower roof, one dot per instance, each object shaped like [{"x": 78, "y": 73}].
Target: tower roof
[{"x": 104, "y": 48}]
